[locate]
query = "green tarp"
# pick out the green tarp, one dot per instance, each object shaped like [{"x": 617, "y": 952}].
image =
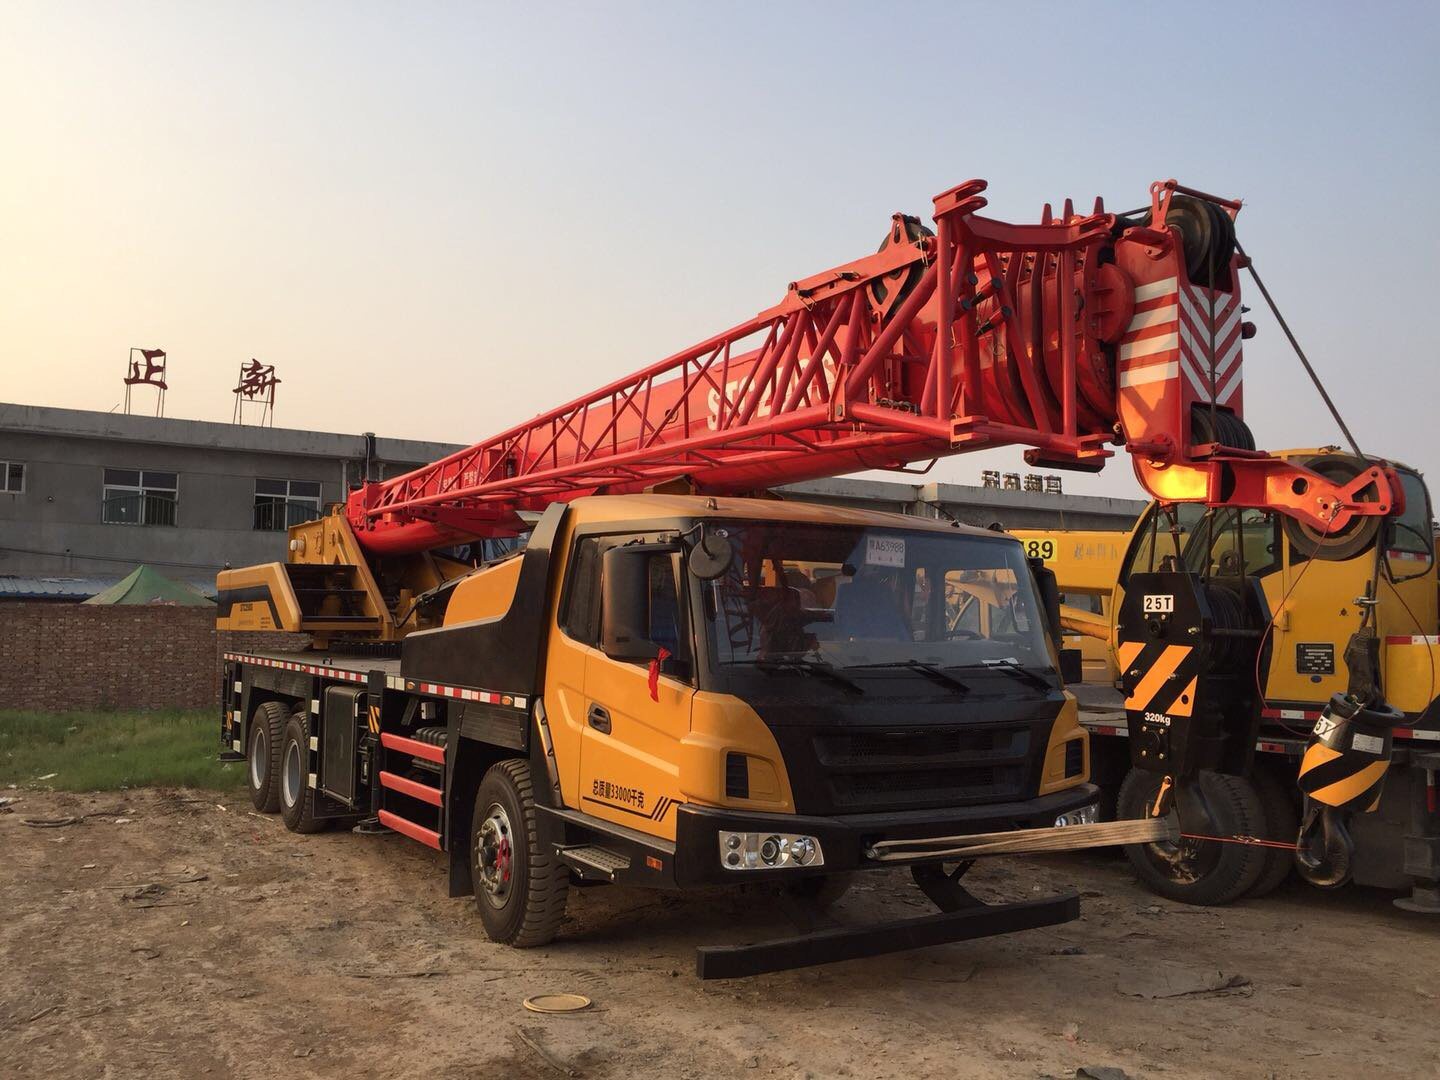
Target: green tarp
[{"x": 146, "y": 586}]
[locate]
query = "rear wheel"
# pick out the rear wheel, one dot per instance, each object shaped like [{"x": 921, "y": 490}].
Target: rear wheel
[
  {"x": 262, "y": 756},
  {"x": 520, "y": 886},
  {"x": 1197, "y": 871},
  {"x": 1282, "y": 823},
  {"x": 297, "y": 797}
]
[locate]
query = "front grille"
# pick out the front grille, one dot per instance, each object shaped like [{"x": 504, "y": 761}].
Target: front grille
[
  {"x": 892, "y": 770},
  {"x": 901, "y": 747},
  {"x": 876, "y": 790}
]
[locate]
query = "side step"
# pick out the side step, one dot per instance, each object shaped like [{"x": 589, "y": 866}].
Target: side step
[
  {"x": 594, "y": 863},
  {"x": 406, "y": 827}
]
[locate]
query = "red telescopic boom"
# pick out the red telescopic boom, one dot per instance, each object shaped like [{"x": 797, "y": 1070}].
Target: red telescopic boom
[{"x": 1081, "y": 331}]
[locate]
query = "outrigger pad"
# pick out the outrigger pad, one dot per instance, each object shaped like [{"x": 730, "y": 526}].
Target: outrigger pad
[{"x": 854, "y": 943}]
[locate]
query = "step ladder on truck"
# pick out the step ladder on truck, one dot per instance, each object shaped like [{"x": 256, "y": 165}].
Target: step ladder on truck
[{"x": 682, "y": 680}]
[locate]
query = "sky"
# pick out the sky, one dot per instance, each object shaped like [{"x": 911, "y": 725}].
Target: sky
[{"x": 436, "y": 220}]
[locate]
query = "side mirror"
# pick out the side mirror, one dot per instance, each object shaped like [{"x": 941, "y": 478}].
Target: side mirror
[
  {"x": 625, "y": 602},
  {"x": 711, "y": 557},
  {"x": 1048, "y": 592}
]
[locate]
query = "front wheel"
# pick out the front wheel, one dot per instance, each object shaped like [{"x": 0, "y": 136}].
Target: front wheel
[
  {"x": 1197, "y": 871},
  {"x": 520, "y": 885}
]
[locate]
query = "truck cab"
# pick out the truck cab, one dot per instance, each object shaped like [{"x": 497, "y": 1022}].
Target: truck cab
[{"x": 711, "y": 663}]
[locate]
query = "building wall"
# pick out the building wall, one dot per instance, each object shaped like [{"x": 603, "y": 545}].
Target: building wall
[
  {"x": 974, "y": 505},
  {"x": 64, "y": 657},
  {"x": 55, "y": 526}
]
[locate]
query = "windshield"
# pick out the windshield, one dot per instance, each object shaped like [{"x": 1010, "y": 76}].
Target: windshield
[
  {"x": 1210, "y": 542},
  {"x": 849, "y": 596}
]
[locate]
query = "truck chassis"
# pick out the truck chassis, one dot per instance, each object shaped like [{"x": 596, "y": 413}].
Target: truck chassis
[{"x": 383, "y": 752}]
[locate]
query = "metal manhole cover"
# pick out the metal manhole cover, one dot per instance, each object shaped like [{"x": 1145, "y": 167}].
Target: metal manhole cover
[{"x": 556, "y": 1003}]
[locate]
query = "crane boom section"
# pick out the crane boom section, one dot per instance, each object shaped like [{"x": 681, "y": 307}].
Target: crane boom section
[{"x": 1064, "y": 336}]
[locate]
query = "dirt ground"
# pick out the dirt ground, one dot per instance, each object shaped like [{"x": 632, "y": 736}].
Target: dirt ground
[{"x": 257, "y": 953}]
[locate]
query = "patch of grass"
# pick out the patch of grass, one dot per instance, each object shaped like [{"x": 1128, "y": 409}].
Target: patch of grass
[{"x": 106, "y": 751}]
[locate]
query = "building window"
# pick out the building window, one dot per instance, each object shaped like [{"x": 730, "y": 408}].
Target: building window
[
  {"x": 12, "y": 477},
  {"x": 280, "y": 504},
  {"x": 133, "y": 497}
]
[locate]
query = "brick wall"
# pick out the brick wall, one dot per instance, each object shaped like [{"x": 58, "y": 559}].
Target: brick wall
[{"x": 58, "y": 656}]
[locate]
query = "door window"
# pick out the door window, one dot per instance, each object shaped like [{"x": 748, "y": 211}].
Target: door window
[{"x": 1410, "y": 544}]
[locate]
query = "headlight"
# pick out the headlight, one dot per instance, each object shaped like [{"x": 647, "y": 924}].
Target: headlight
[
  {"x": 1086, "y": 815},
  {"x": 768, "y": 851}
]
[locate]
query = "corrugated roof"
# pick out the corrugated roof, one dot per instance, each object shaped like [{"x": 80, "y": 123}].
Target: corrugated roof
[
  {"x": 51, "y": 588},
  {"x": 15, "y": 587}
]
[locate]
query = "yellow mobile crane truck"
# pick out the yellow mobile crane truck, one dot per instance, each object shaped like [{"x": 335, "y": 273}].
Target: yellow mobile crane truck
[{"x": 673, "y": 691}]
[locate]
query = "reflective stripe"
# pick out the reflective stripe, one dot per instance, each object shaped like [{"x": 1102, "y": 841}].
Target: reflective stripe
[
  {"x": 1149, "y": 346},
  {"x": 1159, "y": 316},
  {"x": 1163, "y": 287},
  {"x": 1154, "y": 373}
]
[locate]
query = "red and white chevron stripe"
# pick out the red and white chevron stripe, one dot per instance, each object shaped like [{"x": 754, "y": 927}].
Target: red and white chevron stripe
[
  {"x": 1169, "y": 334},
  {"x": 1195, "y": 342}
]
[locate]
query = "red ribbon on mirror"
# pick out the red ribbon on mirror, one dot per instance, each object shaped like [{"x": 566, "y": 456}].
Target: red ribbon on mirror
[{"x": 660, "y": 658}]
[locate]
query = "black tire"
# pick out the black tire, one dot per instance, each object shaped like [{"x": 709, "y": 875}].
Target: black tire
[
  {"x": 297, "y": 797},
  {"x": 1219, "y": 426},
  {"x": 821, "y": 892},
  {"x": 1207, "y": 237},
  {"x": 1282, "y": 822},
  {"x": 1197, "y": 871},
  {"x": 520, "y": 885},
  {"x": 262, "y": 756}
]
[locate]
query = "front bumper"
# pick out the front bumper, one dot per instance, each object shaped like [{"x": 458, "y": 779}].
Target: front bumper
[{"x": 844, "y": 838}]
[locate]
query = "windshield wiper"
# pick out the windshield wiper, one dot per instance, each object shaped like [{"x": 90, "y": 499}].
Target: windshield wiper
[
  {"x": 815, "y": 667},
  {"x": 1012, "y": 667},
  {"x": 938, "y": 675}
]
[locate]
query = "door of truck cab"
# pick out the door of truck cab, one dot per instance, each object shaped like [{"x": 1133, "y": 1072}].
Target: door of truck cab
[{"x": 630, "y": 725}]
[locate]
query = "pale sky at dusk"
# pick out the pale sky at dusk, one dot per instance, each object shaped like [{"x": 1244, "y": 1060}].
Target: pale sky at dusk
[{"x": 438, "y": 219}]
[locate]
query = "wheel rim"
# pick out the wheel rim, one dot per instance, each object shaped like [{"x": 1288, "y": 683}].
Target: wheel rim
[
  {"x": 290, "y": 778},
  {"x": 258, "y": 752},
  {"x": 495, "y": 856},
  {"x": 1183, "y": 862}
]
